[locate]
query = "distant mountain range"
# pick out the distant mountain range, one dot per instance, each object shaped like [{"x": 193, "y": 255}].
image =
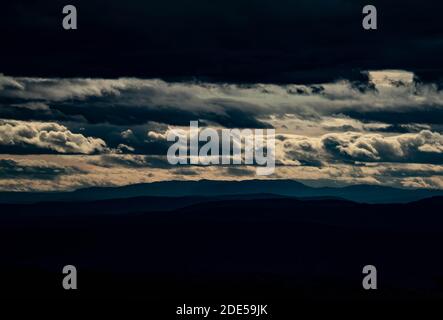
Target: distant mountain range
[
  {"x": 209, "y": 188},
  {"x": 205, "y": 188}
]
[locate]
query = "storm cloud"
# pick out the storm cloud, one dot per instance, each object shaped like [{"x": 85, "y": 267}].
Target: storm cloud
[
  {"x": 279, "y": 41},
  {"x": 393, "y": 97},
  {"x": 332, "y": 132},
  {"x": 47, "y": 136},
  {"x": 352, "y": 147}
]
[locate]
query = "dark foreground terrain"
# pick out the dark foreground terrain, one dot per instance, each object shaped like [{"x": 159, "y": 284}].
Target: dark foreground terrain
[
  {"x": 258, "y": 248},
  {"x": 208, "y": 248}
]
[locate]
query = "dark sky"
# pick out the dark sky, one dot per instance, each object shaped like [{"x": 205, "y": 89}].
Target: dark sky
[
  {"x": 231, "y": 40},
  {"x": 94, "y": 106}
]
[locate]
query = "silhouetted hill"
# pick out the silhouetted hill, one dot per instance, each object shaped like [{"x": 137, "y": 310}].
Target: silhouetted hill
[
  {"x": 120, "y": 206},
  {"x": 357, "y": 193},
  {"x": 218, "y": 249}
]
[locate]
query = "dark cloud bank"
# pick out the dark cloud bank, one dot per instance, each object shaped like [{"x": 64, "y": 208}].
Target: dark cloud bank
[
  {"x": 107, "y": 93},
  {"x": 307, "y": 41}
]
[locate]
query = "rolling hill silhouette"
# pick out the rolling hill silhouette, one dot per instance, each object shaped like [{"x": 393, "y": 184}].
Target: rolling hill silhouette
[
  {"x": 357, "y": 193},
  {"x": 259, "y": 246}
]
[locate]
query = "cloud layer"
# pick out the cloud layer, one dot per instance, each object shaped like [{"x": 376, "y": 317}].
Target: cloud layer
[
  {"x": 46, "y": 136},
  {"x": 384, "y": 128}
]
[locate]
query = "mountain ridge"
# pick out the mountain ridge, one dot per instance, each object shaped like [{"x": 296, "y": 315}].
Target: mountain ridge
[{"x": 291, "y": 188}]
